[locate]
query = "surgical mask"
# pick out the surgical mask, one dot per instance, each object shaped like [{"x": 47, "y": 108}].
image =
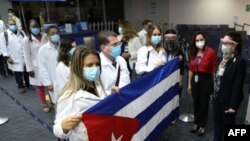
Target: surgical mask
[
  {"x": 13, "y": 28},
  {"x": 155, "y": 40},
  {"x": 120, "y": 31},
  {"x": 35, "y": 30},
  {"x": 91, "y": 73},
  {"x": 11, "y": 15},
  {"x": 71, "y": 51},
  {"x": 200, "y": 44},
  {"x": 116, "y": 51},
  {"x": 55, "y": 38},
  {"x": 226, "y": 49}
]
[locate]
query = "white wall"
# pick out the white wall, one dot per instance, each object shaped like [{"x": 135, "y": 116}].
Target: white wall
[
  {"x": 137, "y": 11},
  {"x": 4, "y": 6},
  {"x": 208, "y": 11}
]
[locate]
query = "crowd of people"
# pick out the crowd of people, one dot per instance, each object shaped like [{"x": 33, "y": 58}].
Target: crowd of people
[{"x": 77, "y": 77}]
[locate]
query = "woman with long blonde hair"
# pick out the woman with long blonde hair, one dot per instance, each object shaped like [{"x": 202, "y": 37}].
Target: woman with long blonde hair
[{"x": 82, "y": 91}]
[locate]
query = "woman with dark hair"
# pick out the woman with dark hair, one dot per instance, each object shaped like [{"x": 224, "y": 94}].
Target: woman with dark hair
[
  {"x": 202, "y": 66},
  {"x": 66, "y": 50},
  {"x": 152, "y": 55},
  {"x": 228, "y": 83},
  {"x": 83, "y": 90},
  {"x": 31, "y": 45}
]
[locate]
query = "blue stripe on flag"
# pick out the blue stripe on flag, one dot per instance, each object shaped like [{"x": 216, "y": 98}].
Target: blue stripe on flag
[
  {"x": 113, "y": 103},
  {"x": 148, "y": 113},
  {"x": 163, "y": 125}
]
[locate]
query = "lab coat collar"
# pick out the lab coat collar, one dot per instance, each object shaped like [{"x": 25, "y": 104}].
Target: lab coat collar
[
  {"x": 43, "y": 37},
  {"x": 53, "y": 46},
  {"x": 105, "y": 60}
]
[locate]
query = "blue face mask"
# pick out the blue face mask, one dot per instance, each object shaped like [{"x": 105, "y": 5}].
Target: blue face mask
[
  {"x": 35, "y": 30},
  {"x": 91, "y": 73},
  {"x": 120, "y": 30},
  {"x": 155, "y": 40},
  {"x": 71, "y": 51},
  {"x": 116, "y": 50},
  {"x": 55, "y": 38},
  {"x": 13, "y": 28}
]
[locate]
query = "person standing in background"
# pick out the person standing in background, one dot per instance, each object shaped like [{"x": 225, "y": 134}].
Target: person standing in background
[
  {"x": 2, "y": 60},
  {"x": 66, "y": 50},
  {"x": 31, "y": 45},
  {"x": 13, "y": 16},
  {"x": 130, "y": 44},
  {"x": 202, "y": 66},
  {"x": 152, "y": 55},
  {"x": 143, "y": 33},
  {"x": 228, "y": 84},
  {"x": 47, "y": 61}
]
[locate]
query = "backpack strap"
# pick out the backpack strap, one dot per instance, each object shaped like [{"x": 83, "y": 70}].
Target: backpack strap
[
  {"x": 148, "y": 57},
  {"x": 6, "y": 37},
  {"x": 118, "y": 76}
]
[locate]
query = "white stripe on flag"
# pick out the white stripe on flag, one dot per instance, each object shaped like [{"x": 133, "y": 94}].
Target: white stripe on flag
[
  {"x": 156, "y": 119},
  {"x": 141, "y": 103}
]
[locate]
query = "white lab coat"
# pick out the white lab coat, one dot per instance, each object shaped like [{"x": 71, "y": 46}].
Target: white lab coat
[
  {"x": 62, "y": 76},
  {"x": 31, "y": 57},
  {"x": 76, "y": 104},
  {"x": 154, "y": 58},
  {"x": 47, "y": 62},
  {"x": 2, "y": 26},
  {"x": 14, "y": 49},
  {"x": 109, "y": 72},
  {"x": 143, "y": 36}
]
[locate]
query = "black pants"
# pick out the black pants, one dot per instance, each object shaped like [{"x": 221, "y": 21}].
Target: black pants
[
  {"x": 201, "y": 91},
  {"x": 221, "y": 119},
  {"x": 4, "y": 70},
  {"x": 22, "y": 77}
]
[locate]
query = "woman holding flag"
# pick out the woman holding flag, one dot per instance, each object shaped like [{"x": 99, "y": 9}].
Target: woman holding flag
[{"x": 83, "y": 90}]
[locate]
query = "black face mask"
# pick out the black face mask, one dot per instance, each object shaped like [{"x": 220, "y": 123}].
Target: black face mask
[{"x": 171, "y": 45}]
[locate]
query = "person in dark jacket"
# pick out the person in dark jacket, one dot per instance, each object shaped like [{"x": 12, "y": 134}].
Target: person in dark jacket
[{"x": 228, "y": 83}]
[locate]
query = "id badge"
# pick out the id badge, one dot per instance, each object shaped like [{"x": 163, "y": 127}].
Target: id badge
[
  {"x": 196, "y": 78},
  {"x": 221, "y": 71}
]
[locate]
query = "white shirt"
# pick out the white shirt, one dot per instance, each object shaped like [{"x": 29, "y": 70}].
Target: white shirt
[
  {"x": 76, "y": 104},
  {"x": 143, "y": 36},
  {"x": 47, "y": 62},
  {"x": 133, "y": 47},
  {"x": 14, "y": 49},
  {"x": 31, "y": 56},
  {"x": 154, "y": 58},
  {"x": 109, "y": 72},
  {"x": 62, "y": 76},
  {"x": 2, "y": 26}
]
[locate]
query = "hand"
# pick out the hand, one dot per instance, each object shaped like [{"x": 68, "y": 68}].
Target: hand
[
  {"x": 189, "y": 89},
  {"x": 160, "y": 63},
  {"x": 126, "y": 55},
  {"x": 70, "y": 123},
  {"x": 9, "y": 60},
  {"x": 31, "y": 73},
  {"x": 230, "y": 111},
  {"x": 50, "y": 88},
  {"x": 115, "y": 89}
]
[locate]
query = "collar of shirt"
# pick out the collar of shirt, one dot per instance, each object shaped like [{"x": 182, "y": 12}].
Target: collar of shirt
[
  {"x": 151, "y": 49},
  {"x": 51, "y": 45},
  {"x": 106, "y": 60}
]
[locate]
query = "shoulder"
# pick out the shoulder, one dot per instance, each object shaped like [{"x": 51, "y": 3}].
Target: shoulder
[
  {"x": 143, "y": 49},
  {"x": 120, "y": 60}
]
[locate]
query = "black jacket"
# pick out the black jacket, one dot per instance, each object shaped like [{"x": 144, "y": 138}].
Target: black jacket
[{"x": 231, "y": 88}]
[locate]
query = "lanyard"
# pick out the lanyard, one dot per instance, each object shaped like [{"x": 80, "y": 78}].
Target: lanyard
[{"x": 198, "y": 60}]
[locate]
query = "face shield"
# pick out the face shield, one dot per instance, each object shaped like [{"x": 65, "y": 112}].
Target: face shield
[
  {"x": 171, "y": 42},
  {"x": 226, "y": 46}
]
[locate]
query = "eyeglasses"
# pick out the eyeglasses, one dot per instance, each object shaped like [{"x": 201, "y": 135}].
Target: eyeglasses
[{"x": 116, "y": 44}]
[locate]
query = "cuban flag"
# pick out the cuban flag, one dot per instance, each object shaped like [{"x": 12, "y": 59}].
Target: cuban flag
[{"x": 141, "y": 111}]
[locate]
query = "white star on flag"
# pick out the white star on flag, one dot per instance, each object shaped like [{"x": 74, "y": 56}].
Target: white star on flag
[{"x": 114, "y": 139}]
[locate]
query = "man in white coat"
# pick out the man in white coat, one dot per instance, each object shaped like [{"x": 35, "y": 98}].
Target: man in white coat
[
  {"x": 11, "y": 44},
  {"x": 115, "y": 73},
  {"x": 47, "y": 61},
  {"x": 143, "y": 33}
]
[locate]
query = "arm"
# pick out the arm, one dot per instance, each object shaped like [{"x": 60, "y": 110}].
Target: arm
[
  {"x": 141, "y": 66},
  {"x": 135, "y": 45},
  {"x": 46, "y": 80},
  {"x": 124, "y": 74},
  {"x": 190, "y": 75},
  {"x": 27, "y": 54}
]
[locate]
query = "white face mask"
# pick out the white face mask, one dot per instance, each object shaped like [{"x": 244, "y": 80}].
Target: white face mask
[
  {"x": 226, "y": 48},
  {"x": 200, "y": 44}
]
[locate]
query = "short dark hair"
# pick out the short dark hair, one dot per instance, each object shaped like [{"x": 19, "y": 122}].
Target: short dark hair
[
  {"x": 103, "y": 37},
  {"x": 11, "y": 10},
  {"x": 145, "y": 22},
  {"x": 237, "y": 38},
  {"x": 170, "y": 31},
  {"x": 50, "y": 27}
]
